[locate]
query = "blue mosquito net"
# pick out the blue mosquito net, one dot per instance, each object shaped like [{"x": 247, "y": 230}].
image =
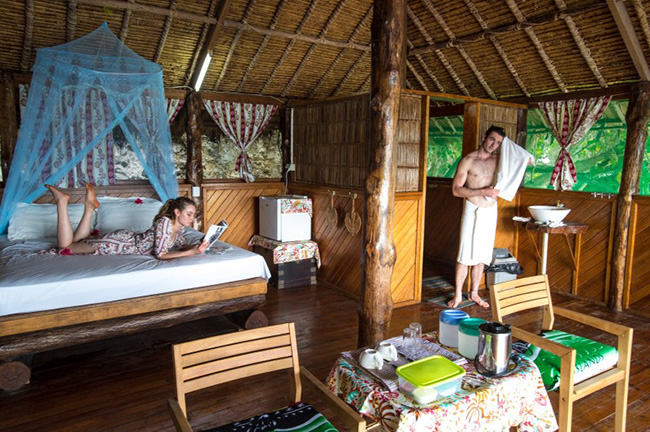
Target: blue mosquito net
[{"x": 54, "y": 134}]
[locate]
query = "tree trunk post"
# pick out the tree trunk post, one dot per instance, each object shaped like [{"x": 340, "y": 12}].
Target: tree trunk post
[
  {"x": 8, "y": 121},
  {"x": 376, "y": 305},
  {"x": 194, "y": 165},
  {"x": 637, "y": 117}
]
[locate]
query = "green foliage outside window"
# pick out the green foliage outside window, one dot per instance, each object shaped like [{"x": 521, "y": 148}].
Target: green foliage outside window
[{"x": 445, "y": 146}]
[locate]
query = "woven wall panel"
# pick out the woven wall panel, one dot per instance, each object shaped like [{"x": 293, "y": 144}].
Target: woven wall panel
[
  {"x": 409, "y": 137},
  {"x": 237, "y": 204},
  {"x": 331, "y": 142},
  {"x": 640, "y": 280},
  {"x": 499, "y": 116}
]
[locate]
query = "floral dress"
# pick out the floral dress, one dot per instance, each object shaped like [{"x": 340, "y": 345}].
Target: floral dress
[{"x": 156, "y": 241}]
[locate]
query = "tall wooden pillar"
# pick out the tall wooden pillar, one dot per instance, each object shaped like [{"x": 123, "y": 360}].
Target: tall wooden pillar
[
  {"x": 637, "y": 117},
  {"x": 376, "y": 304},
  {"x": 8, "y": 121},
  {"x": 194, "y": 165}
]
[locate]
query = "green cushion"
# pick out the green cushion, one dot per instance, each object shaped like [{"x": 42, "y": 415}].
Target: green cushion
[{"x": 592, "y": 358}]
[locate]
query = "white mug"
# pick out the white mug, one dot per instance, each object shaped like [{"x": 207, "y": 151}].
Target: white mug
[
  {"x": 387, "y": 351},
  {"x": 371, "y": 359}
]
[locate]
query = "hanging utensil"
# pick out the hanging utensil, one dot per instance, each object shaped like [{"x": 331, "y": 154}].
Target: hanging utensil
[
  {"x": 331, "y": 216},
  {"x": 352, "y": 219}
]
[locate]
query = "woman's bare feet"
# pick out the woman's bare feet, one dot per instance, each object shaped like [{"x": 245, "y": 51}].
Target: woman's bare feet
[
  {"x": 59, "y": 196},
  {"x": 478, "y": 300},
  {"x": 91, "y": 197}
]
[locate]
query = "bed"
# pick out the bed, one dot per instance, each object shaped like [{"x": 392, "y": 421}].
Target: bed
[{"x": 52, "y": 301}]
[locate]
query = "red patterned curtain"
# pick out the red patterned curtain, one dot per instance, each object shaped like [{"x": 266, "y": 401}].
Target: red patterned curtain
[
  {"x": 569, "y": 121},
  {"x": 242, "y": 123},
  {"x": 173, "y": 107}
]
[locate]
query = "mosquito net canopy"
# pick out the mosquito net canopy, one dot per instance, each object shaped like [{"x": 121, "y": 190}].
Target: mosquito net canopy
[{"x": 81, "y": 93}]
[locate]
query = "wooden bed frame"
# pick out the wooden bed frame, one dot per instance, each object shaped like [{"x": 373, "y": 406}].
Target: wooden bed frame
[{"x": 29, "y": 333}]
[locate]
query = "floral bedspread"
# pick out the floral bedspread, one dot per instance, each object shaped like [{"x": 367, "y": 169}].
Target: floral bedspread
[
  {"x": 482, "y": 404},
  {"x": 284, "y": 252},
  {"x": 296, "y": 205}
]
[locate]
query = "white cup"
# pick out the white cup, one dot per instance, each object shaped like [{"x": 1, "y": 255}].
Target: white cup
[
  {"x": 371, "y": 359},
  {"x": 387, "y": 351}
]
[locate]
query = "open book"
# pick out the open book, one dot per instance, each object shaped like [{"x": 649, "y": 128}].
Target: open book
[{"x": 214, "y": 232}]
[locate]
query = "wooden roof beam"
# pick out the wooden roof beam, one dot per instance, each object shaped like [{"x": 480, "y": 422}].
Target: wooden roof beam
[
  {"x": 577, "y": 37},
  {"x": 337, "y": 10},
  {"x": 332, "y": 66},
  {"x": 125, "y": 22},
  {"x": 165, "y": 32},
  {"x": 443, "y": 24},
  {"x": 625, "y": 27},
  {"x": 417, "y": 76},
  {"x": 262, "y": 46},
  {"x": 71, "y": 20},
  {"x": 201, "y": 42},
  {"x": 538, "y": 45},
  {"x": 289, "y": 47},
  {"x": 348, "y": 75},
  {"x": 643, "y": 19},
  {"x": 495, "y": 42},
  {"x": 131, "y": 5},
  {"x": 233, "y": 44},
  {"x": 426, "y": 68},
  {"x": 29, "y": 32},
  {"x": 439, "y": 53},
  {"x": 211, "y": 39}
]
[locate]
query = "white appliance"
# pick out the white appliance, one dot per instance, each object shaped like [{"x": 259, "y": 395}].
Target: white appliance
[{"x": 280, "y": 226}]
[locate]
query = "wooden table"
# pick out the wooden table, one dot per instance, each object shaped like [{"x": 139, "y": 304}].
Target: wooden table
[
  {"x": 482, "y": 404},
  {"x": 567, "y": 228}
]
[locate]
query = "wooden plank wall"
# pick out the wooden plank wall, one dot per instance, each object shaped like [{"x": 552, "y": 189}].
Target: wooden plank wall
[
  {"x": 141, "y": 190},
  {"x": 638, "y": 273},
  {"x": 237, "y": 204}
]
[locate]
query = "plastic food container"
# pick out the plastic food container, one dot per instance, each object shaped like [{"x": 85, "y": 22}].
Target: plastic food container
[
  {"x": 449, "y": 321},
  {"x": 429, "y": 379},
  {"x": 468, "y": 337}
]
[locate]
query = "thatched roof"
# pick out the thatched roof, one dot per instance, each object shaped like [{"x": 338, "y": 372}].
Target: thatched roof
[{"x": 303, "y": 49}]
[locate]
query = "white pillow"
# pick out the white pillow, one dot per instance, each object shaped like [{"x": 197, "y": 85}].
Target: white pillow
[
  {"x": 135, "y": 214},
  {"x": 38, "y": 221}
]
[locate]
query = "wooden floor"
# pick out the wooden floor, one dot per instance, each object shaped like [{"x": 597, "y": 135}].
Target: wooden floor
[{"x": 123, "y": 384}]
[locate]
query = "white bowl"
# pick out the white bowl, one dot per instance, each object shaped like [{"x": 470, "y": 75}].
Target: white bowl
[{"x": 542, "y": 213}]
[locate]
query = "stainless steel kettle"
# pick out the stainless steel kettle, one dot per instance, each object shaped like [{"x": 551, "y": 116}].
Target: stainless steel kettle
[{"x": 494, "y": 348}]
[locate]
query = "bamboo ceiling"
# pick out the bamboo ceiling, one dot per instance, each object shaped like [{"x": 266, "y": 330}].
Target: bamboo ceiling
[{"x": 301, "y": 49}]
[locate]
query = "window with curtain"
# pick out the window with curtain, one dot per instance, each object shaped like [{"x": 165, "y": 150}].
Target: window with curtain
[{"x": 598, "y": 157}]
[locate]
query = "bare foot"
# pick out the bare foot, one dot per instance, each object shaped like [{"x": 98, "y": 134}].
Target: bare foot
[
  {"x": 478, "y": 300},
  {"x": 453, "y": 303},
  {"x": 91, "y": 197},
  {"x": 58, "y": 195}
]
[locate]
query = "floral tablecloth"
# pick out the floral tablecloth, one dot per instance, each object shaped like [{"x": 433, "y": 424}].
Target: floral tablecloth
[
  {"x": 482, "y": 404},
  {"x": 284, "y": 252}
]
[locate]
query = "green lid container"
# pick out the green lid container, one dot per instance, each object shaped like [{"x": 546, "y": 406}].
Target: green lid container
[
  {"x": 430, "y": 371},
  {"x": 469, "y": 326}
]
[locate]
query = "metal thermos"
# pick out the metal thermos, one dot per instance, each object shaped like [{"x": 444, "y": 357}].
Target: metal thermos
[{"x": 494, "y": 347}]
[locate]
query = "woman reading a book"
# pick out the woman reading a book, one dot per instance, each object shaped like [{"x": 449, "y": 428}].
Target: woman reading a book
[{"x": 167, "y": 231}]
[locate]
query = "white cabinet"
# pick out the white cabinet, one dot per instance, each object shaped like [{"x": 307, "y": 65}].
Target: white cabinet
[{"x": 282, "y": 220}]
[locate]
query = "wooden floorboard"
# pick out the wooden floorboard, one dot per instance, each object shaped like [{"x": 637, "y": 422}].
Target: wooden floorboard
[{"x": 122, "y": 384}]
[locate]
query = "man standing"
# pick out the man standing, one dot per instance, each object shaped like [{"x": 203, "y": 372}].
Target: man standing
[{"x": 473, "y": 182}]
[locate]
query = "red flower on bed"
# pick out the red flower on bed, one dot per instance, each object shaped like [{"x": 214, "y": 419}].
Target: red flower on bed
[
  {"x": 65, "y": 251},
  {"x": 138, "y": 201},
  {"x": 94, "y": 232}
]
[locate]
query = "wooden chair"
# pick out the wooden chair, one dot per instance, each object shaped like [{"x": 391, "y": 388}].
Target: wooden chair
[
  {"x": 523, "y": 294},
  {"x": 215, "y": 360}
]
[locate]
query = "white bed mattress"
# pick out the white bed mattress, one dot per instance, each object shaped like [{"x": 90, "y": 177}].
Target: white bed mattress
[{"x": 31, "y": 282}]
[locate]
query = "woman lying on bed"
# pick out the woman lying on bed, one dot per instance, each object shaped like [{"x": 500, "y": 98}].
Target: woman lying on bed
[{"x": 167, "y": 231}]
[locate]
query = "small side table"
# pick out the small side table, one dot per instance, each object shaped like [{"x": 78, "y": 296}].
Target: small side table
[
  {"x": 292, "y": 263},
  {"x": 567, "y": 228}
]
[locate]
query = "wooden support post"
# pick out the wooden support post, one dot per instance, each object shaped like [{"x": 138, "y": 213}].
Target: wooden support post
[
  {"x": 637, "y": 117},
  {"x": 285, "y": 130},
  {"x": 8, "y": 121},
  {"x": 522, "y": 120},
  {"x": 379, "y": 255},
  {"x": 194, "y": 165}
]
